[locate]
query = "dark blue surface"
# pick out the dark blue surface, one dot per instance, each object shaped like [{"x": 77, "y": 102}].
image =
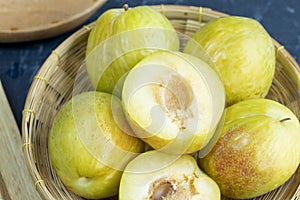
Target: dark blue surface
[{"x": 20, "y": 62}]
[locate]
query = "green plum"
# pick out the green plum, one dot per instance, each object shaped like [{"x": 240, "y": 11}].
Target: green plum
[
  {"x": 88, "y": 148},
  {"x": 121, "y": 38},
  {"x": 243, "y": 52},
  {"x": 258, "y": 150}
]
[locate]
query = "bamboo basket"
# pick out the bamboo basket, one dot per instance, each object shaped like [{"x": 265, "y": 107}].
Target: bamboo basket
[{"x": 54, "y": 85}]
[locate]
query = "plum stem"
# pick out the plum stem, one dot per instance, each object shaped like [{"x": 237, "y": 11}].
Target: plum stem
[
  {"x": 125, "y": 6},
  {"x": 285, "y": 119}
]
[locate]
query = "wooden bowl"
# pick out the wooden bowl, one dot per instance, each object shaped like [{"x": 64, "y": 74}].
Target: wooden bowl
[{"x": 26, "y": 20}]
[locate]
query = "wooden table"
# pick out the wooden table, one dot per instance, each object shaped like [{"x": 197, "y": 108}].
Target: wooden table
[{"x": 15, "y": 180}]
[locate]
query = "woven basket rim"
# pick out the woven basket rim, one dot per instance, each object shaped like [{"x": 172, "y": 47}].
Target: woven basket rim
[{"x": 55, "y": 57}]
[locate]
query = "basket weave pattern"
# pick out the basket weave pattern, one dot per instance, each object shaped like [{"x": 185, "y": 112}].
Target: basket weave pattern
[{"x": 54, "y": 85}]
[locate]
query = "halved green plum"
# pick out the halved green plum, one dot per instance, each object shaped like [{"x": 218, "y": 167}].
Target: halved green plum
[
  {"x": 154, "y": 175},
  {"x": 173, "y": 101}
]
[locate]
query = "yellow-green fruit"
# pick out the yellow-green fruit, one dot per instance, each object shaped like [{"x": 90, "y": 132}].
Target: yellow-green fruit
[
  {"x": 258, "y": 150},
  {"x": 87, "y": 147},
  {"x": 173, "y": 101},
  {"x": 156, "y": 175},
  {"x": 243, "y": 53},
  {"x": 121, "y": 38}
]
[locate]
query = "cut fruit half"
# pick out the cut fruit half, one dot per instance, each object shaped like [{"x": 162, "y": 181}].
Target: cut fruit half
[
  {"x": 154, "y": 175},
  {"x": 173, "y": 101}
]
